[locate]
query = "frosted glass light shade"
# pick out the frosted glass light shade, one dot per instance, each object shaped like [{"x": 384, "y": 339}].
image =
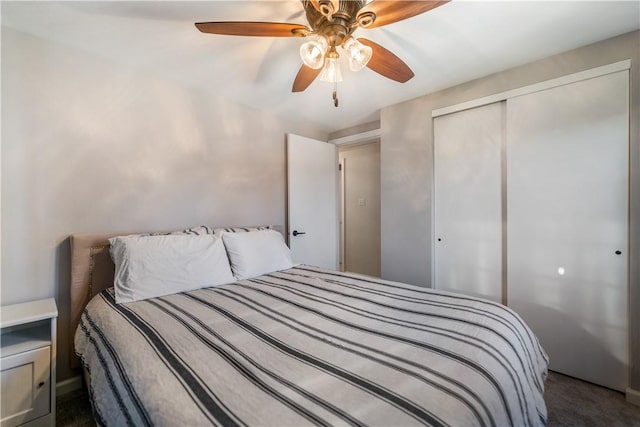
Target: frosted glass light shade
[
  {"x": 331, "y": 71},
  {"x": 359, "y": 54},
  {"x": 312, "y": 52}
]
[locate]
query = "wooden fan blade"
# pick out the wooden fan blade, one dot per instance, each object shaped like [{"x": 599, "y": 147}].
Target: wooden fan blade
[
  {"x": 386, "y": 63},
  {"x": 388, "y": 12},
  {"x": 304, "y": 78},
  {"x": 259, "y": 29}
]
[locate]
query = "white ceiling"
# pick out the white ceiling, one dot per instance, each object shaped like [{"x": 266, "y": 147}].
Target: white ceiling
[{"x": 454, "y": 43}]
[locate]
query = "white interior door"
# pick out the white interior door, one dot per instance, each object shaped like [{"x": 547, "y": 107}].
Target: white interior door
[
  {"x": 468, "y": 202},
  {"x": 312, "y": 196},
  {"x": 567, "y": 223}
]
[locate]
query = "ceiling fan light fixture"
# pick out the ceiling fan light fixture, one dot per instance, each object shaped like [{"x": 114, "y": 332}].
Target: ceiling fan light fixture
[
  {"x": 330, "y": 25},
  {"x": 359, "y": 54},
  {"x": 331, "y": 71},
  {"x": 312, "y": 52}
]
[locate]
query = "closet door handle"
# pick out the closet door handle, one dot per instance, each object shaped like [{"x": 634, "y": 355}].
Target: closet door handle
[{"x": 618, "y": 252}]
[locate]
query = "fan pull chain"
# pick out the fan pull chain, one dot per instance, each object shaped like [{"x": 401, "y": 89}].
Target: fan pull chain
[{"x": 335, "y": 94}]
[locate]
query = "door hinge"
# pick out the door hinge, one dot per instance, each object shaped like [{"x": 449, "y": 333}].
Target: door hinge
[{"x": 339, "y": 166}]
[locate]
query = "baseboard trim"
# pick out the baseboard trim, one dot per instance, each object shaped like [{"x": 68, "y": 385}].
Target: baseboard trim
[
  {"x": 69, "y": 385},
  {"x": 633, "y": 396}
]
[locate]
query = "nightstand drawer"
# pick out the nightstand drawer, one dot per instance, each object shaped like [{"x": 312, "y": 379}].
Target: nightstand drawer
[{"x": 25, "y": 386}]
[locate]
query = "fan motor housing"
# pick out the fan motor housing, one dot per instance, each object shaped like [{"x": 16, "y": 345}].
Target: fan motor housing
[{"x": 343, "y": 21}]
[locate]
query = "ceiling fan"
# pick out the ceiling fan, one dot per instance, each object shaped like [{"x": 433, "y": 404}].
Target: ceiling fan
[{"x": 331, "y": 25}]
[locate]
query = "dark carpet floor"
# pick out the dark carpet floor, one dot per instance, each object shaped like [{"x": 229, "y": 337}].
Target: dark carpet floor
[
  {"x": 74, "y": 410},
  {"x": 570, "y": 403}
]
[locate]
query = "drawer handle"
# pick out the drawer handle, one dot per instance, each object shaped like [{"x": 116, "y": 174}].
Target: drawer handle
[{"x": 40, "y": 384}]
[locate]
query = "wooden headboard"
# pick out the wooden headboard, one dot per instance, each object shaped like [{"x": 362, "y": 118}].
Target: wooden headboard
[{"x": 92, "y": 272}]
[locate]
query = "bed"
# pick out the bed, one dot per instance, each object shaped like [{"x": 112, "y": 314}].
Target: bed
[{"x": 301, "y": 346}]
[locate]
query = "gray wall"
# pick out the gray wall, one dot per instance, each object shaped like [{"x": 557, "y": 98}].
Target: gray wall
[
  {"x": 407, "y": 165},
  {"x": 89, "y": 147}
]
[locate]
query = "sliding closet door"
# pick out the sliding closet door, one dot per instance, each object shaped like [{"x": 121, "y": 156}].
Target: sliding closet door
[
  {"x": 467, "y": 201},
  {"x": 567, "y": 183}
]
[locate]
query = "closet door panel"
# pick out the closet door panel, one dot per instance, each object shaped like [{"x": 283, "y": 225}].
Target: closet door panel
[
  {"x": 567, "y": 215},
  {"x": 467, "y": 193}
]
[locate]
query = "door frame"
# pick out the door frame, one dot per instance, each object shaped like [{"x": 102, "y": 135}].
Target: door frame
[{"x": 366, "y": 138}]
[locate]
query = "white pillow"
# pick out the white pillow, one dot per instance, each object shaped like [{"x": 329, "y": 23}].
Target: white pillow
[
  {"x": 152, "y": 266},
  {"x": 257, "y": 252}
]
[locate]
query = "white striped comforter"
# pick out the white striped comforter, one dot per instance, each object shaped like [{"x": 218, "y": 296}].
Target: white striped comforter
[{"x": 311, "y": 346}]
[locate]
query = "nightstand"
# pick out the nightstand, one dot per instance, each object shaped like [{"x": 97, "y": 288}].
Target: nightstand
[{"x": 28, "y": 363}]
